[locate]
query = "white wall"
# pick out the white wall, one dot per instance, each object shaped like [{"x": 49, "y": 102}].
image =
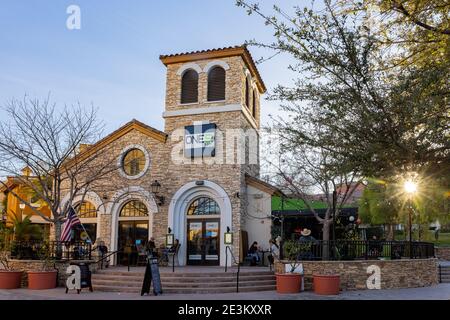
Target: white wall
[{"x": 257, "y": 221}]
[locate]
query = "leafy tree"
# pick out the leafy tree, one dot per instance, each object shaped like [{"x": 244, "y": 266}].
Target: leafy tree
[
  {"x": 385, "y": 203},
  {"x": 379, "y": 206},
  {"x": 383, "y": 118}
]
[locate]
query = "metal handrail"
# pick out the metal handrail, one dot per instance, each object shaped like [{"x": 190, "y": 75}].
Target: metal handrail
[
  {"x": 105, "y": 257},
  {"x": 227, "y": 248}
]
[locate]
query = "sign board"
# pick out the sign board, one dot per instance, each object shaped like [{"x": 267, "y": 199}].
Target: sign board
[
  {"x": 79, "y": 277},
  {"x": 200, "y": 140},
  {"x": 152, "y": 274}
]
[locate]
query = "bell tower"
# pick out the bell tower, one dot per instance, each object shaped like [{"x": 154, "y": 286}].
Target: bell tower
[{"x": 212, "y": 118}]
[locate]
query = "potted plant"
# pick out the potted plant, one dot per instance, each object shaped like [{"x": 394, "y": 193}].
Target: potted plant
[
  {"x": 9, "y": 278},
  {"x": 326, "y": 284},
  {"x": 290, "y": 282},
  {"x": 47, "y": 277}
]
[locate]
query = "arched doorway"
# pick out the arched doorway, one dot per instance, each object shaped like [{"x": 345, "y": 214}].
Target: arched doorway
[
  {"x": 203, "y": 232},
  {"x": 178, "y": 214},
  {"x": 133, "y": 230}
]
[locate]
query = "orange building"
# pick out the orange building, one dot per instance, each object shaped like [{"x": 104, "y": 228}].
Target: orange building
[{"x": 14, "y": 210}]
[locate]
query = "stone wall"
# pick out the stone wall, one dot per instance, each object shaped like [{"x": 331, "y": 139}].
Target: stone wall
[
  {"x": 405, "y": 273},
  {"x": 442, "y": 253},
  {"x": 36, "y": 265}
]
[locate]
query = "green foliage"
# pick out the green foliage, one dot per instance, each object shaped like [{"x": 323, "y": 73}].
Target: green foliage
[
  {"x": 293, "y": 250},
  {"x": 356, "y": 98},
  {"x": 5, "y": 246},
  {"x": 382, "y": 203},
  {"x": 45, "y": 256},
  {"x": 25, "y": 230},
  {"x": 378, "y": 204}
]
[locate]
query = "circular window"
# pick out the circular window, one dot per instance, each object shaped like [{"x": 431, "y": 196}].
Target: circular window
[
  {"x": 203, "y": 206},
  {"x": 134, "y": 208},
  {"x": 134, "y": 162}
]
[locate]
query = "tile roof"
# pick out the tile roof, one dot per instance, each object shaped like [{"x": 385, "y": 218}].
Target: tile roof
[{"x": 231, "y": 50}]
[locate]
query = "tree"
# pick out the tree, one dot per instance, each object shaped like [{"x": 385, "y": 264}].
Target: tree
[
  {"x": 379, "y": 206},
  {"x": 46, "y": 140},
  {"x": 385, "y": 203},
  {"x": 382, "y": 119},
  {"x": 301, "y": 171}
]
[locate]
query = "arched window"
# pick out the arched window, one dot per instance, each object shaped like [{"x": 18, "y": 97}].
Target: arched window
[
  {"x": 86, "y": 210},
  {"x": 247, "y": 93},
  {"x": 189, "y": 87},
  {"x": 134, "y": 208},
  {"x": 254, "y": 104},
  {"x": 216, "y": 84},
  {"x": 203, "y": 206},
  {"x": 133, "y": 162}
]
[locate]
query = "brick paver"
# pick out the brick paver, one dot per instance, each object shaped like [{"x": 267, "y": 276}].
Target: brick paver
[{"x": 439, "y": 292}]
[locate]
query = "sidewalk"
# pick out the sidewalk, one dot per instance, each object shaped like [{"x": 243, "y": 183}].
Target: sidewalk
[{"x": 439, "y": 292}]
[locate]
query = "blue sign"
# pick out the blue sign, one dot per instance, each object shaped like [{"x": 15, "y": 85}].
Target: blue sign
[{"x": 200, "y": 140}]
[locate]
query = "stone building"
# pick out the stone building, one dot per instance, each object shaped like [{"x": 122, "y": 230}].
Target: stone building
[{"x": 196, "y": 180}]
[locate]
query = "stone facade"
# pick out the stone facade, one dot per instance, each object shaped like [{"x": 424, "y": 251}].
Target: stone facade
[
  {"x": 442, "y": 253},
  {"x": 405, "y": 273},
  {"x": 224, "y": 175}
]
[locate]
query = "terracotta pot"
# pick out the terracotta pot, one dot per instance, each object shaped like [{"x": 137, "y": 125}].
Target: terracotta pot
[
  {"x": 288, "y": 282},
  {"x": 40, "y": 280},
  {"x": 326, "y": 284},
  {"x": 10, "y": 279}
]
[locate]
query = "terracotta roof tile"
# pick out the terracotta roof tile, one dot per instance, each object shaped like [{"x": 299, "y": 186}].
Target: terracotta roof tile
[{"x": 166, "y": 59}]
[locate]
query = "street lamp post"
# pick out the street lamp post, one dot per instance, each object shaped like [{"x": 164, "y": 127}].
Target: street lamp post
[{"x": 410, "y": 188}]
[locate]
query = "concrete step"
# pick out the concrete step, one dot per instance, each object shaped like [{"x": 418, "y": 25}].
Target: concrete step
[
  {"x": 187, "y": 274},
  {"x": 219, "y": 278},
  {"x": 201, "y": 285},
  {"x": 186, "y": 290}
]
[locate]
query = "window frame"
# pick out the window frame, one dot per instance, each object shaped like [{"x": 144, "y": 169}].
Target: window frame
[
  {"x": 182, "y": 86},
  {"x": 224, "y": 83}
]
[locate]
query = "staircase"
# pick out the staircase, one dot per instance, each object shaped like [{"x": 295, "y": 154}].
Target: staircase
[
  {"x": 444, "y": 276},
  {"x": 116, "y": 280}
]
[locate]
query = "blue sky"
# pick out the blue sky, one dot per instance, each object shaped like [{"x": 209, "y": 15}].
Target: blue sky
[{"x": 113, "y": 61}]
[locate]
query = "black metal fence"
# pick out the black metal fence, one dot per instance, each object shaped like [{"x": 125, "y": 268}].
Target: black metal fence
[
  {"x": 54, "y": 250},
  {"x": 355, "y": 250}
]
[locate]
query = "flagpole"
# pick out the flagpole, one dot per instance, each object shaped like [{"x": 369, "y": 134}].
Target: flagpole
[{"x": 83, "y": 227}]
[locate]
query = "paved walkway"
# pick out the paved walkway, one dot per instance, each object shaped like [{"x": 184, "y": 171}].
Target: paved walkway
[{"x": 439, "y": 292}]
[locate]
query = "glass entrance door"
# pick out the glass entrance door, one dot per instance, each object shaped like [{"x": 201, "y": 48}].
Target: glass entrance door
[
  {"x": 131, "y": 233},
  {"x": 203, "y": 238}
]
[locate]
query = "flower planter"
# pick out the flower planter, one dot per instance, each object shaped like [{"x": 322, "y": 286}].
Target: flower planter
[
  {"x": 326, "y": 284},
  {"x": 10, "y": 279},
  {"x": 288, "y": 282},
  {"x": 40, "y": 280}
]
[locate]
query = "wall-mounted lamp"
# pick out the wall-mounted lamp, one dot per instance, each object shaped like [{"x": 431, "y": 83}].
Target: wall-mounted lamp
[
  {"x": 156, "y": 186},
  {"x": 228, "y": 237},
  {"x": 169, "y": 238}
]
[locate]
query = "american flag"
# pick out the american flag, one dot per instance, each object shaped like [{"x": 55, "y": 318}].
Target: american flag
[{"x": 71, "y": 221}]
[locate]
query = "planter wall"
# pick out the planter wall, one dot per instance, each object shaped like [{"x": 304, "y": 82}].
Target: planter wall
[
  {"x": 442, "y": 253},
  {"x": 405, "y": 273},
  {"x": 10, "y": 279}
]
